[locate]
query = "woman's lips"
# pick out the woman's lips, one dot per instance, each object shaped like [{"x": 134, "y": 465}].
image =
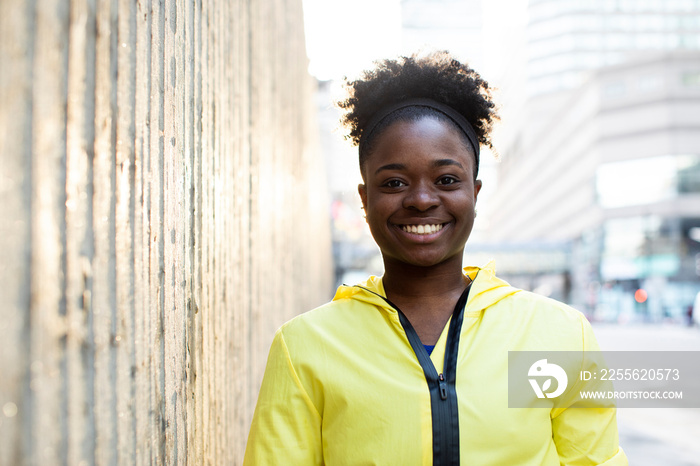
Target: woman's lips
[{"x": 422, "y": 229}]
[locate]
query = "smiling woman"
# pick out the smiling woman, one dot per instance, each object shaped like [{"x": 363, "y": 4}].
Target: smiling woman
[
  {"x": 420, "y": 175},
  {"x": 412, "y": 368}
]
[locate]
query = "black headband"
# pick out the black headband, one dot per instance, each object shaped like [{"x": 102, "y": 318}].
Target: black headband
[{"x": 448, "y": 111}]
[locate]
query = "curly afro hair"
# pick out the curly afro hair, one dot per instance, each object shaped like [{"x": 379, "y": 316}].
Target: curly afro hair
[{"x": 437, "y": 76}]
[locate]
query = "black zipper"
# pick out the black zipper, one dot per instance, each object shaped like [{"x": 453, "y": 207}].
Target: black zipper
[
  {"x": 443, "y": 393},
  {"x": 443, "y": 386}
]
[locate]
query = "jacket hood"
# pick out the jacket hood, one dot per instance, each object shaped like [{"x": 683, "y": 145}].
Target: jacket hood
[{"x": 487, "y": 289}]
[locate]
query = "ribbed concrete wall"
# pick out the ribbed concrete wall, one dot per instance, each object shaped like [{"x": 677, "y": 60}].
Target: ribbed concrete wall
[{"x": 161, "y": 213}]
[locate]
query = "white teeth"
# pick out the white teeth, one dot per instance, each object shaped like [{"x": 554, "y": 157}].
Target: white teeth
[{"x": 422, "y": 229}]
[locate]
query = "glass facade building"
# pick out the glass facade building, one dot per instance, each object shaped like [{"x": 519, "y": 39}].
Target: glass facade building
[
  {"x": 602, "y": 156},
  {"x": 568, "y": 37}
]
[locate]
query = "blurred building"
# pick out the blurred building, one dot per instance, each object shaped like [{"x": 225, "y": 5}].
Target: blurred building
[
  {"x": 601, "y": 157},
  {"x": 454, "y": 25},
  {"x": 566, "y": 38},
  {"x": 355, "y": 254}
]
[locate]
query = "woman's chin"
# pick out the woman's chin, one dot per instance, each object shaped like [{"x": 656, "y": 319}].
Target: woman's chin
[{"x": 423, "y": 260}]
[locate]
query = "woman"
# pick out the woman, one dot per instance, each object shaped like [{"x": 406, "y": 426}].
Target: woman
[{"x": 411, "y": 368}]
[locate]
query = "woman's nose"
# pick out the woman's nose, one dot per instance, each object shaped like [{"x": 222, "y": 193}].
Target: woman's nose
[{"x": 421, "y": 197}]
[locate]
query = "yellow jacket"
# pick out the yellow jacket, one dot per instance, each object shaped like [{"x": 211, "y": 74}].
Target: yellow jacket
[{"x": 344, "y": 386}]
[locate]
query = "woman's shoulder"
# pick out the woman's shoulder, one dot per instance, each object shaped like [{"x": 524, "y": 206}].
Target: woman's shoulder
[
  {"x": 539, "y": 321},
  {"x": 351, "y": 308},
  {"x": 528, "y": 307},
  {"x": 494, "y": 293},
  {"x": 528, "y": 301},
  {"x": 334, "y": 328}
]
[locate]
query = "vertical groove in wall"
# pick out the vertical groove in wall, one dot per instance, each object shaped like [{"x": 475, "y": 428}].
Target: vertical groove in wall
[
  {"x": 142, "y": 292},
  {"x": 47, "y": 305},
  {"x": 79, "y": 246},
  {"x": 16, "y": 48},
  {"x": 104, "y": 225},
  {"x": 162, "y": 180},
  {"x": 124, "y": 341}
]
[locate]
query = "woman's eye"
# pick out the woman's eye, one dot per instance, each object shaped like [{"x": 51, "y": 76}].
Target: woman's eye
[
  {"x": 394, "y": 184},
  {"x": 446, "y": 180}
]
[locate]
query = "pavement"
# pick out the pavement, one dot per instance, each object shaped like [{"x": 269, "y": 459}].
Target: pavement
[{"x": 656, "y": 436}]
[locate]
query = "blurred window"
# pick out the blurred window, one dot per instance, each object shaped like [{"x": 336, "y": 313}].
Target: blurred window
[
  {"x": 691, "y": 21},
  {"x": 650, "y": 41},
  {"x": 691, "y": 79},
  {"x": 637, "y": 247},
  {"x": 628, "y": 5},
  {"x": 689, "y": 174},
  {"x": 690, "y": 41},
  {"x": 681, "y": 5},
  {"x": 614, "y": 89},
  {"x": 650, "y": 23},
  {"x": 589, "y": 41},
  {"x": 673, "y": 41},
  {"x": 649, "y": 82},
  {"x": 613, "y": 58},
  {"x": 619, "y": 41},
  {"x": 592, "y": 60},
  {"x": 648, "y": 180},
  {"x": 626, "y": 236}
]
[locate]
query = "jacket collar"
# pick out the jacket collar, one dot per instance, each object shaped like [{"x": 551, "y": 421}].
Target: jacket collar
[{"x": 486, "y": 290}]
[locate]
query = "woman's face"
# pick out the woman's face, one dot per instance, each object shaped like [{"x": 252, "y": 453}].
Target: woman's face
[{"x": 420, "y": 192}]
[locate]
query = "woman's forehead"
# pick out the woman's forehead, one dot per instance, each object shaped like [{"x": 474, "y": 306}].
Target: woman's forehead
[{"x": 424, "y": 138}]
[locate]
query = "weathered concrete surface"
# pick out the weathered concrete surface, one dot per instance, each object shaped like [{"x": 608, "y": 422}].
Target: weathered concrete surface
[{"x": 163, "y": 211}]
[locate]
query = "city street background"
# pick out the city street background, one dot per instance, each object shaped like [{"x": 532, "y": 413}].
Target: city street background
[
  {"x": 174, "y": 187},
  {"x": 594, "y": 199},
  {"x": 655, "y": 436}
]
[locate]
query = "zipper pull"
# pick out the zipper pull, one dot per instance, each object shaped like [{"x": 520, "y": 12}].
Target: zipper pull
[{"x": 443, "y": 386}]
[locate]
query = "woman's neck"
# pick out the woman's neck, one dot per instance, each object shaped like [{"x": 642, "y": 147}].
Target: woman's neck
[
  {"x": 426, "y": 295},
  {"x": 402, "y": 281}
]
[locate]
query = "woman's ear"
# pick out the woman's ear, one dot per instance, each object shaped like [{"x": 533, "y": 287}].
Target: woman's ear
[
  {"x": 362, "y": 191},
  {"x": 477, "y": 188}
]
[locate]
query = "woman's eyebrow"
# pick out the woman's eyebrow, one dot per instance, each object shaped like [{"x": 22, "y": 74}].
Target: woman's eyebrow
[
  {"x": 446, "y": 162},
  {"x": 437, "y": 163},
  {"x": 391, "y": 166}
]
